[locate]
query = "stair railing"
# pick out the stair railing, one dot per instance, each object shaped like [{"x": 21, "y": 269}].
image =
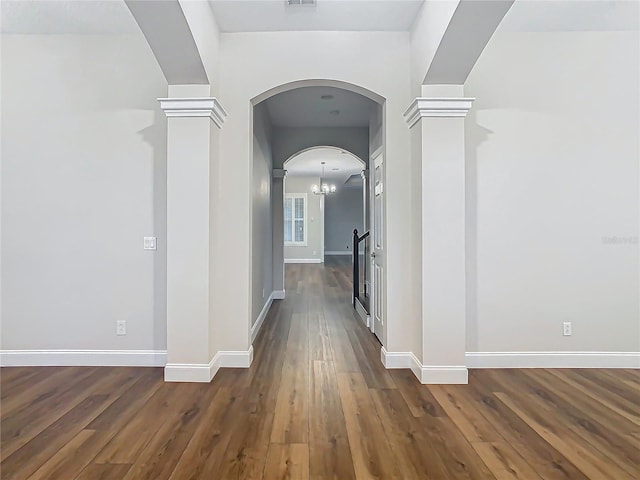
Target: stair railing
[{"x": 356, "y": 263}]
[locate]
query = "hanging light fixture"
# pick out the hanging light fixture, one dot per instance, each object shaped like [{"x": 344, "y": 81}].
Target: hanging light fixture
[{"x": 324, "y": 188}]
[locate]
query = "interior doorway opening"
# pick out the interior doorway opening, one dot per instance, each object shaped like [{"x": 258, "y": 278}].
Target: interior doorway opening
[
  {"x": 314, "y": 141},
  {"x": 324, "y": 201}
]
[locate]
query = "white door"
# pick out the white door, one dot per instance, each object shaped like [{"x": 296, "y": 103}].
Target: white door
[{"x": 377, "y": 253}]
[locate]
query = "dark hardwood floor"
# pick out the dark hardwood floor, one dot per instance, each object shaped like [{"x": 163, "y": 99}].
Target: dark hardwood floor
[{"x": 317, "y": 403}]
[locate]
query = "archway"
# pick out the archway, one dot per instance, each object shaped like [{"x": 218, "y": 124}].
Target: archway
[
  {"x": 328, "y": 184},
  {"x": 331, "y": 114}
]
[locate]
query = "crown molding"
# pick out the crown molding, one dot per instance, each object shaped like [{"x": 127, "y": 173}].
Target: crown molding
[
  {"x": 437, "y": 107},
  {"x": 194, "y": 107}
]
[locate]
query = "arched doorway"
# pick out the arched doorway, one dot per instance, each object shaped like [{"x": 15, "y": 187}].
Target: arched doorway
[
  {"x": 328, "y": 183},
  {"x": 287, "y": 121}
]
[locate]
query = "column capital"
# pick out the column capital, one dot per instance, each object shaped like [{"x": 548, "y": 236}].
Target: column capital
[
  {"x": 437, "y": 107},
  {"x": 194, "y": 107}
]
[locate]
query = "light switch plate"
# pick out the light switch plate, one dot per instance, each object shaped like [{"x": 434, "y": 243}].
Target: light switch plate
[{"x": 150, "y": 243}]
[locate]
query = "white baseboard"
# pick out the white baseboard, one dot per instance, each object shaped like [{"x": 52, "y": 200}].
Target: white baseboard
[
  {"x": 257, "y": 325},
  {"x": 203, "y": 372},
  {"x": 362, "y": 313},
  {"x": 338, "y": 252},
  {"x": 553, "y": 359},
  {"x": 236, "y": 359},
  {"x": 302, "y": 260},
  {"x": 392, "y": 360},
  {"x": 279, "y": 294},
  {"x": 426, "y": 374},
  {"x": 438, "y": 375},
  {"x": 192, "y": 372},
  {"x": 82, "y": 358}
]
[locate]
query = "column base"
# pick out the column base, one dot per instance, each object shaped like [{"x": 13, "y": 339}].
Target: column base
[
  {"x": 426, "y": 374},
  {"x": 204, "y": 372}
]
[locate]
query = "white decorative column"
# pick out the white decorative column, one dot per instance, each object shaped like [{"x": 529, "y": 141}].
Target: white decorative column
[
  {"x": 277, "y": 213},
  {"x": 437, "y": 134},
  {"x": 191, "y": 166}
]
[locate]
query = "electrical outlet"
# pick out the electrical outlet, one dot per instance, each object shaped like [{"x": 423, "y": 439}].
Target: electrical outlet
[
  {"x": 150, "y": 243},
  {"x": 566, "y": 326},
  {"x": 121, "y": 327}
]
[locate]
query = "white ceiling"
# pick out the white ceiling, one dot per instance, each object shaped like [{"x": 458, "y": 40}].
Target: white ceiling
[
  {"x": 572, "y": 15},
  {"x": 330, "y": 15},
  {"x": 113, "y": 17},
  {"x": 304, "y": 107},
  {"x": 308, "y": 164},
  {"x": 66, "y": 17}
]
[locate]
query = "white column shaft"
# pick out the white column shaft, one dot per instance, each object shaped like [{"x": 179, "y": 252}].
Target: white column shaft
[{"x": 437, "y": 125}]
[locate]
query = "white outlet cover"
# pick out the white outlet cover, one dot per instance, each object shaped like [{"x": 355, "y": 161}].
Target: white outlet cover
[{"x": 121, "y": 327}]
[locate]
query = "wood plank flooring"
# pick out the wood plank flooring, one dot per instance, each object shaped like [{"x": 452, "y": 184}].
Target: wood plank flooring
[{"x": 317, "y": 404}]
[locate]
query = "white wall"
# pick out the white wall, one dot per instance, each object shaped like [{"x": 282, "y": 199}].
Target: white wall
[
  {"x": 552, "y": 174},
  {"x": 276, "y": 58},
  {"x": 83, "y": 181},
  {"x": 261, "y": 232},
  {"x": 313, "y": 248},
  {"x": 343, "y": 213}
]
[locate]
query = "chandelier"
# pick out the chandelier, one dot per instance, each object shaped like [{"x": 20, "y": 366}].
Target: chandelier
[{"x": 324, "y": 188}]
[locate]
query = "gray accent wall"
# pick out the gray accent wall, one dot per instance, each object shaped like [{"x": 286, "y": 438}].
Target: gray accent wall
[
  {"x": 343, "y": 213},
  {"x": 262, "y": 235}
]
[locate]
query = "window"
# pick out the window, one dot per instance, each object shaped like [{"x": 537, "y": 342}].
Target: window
[{"x": 295, "y": 215}]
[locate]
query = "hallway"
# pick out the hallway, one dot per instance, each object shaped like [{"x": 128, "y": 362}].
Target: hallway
[{"x": 317, "y": 403}]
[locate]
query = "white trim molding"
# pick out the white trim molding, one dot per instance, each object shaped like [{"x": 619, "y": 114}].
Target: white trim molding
[
  {"x": 279, "y": 294},
  {"x": 437, "y": 107},
  {"x": 302, "y": 260},
  {"x": 426, "y": 374},
  {"x": 192, "y": 372},
  {"x": 362, "y": 313},
  {"x": 337, "y": 252},
  {"x": 257, "y": 325},
  {"x": 204, "y": 372},
  {"x": 441, "y": 375},
  {"x": 194, "y": 107},
  {"x": 83, "y": 358},
  {"x": 393, "y": 360},
  {"x": 553, "y": 359},
  {"x": 236, "y": 359}
]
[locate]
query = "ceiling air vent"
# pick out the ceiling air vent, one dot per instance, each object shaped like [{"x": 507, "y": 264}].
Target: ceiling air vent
[{"x": 300, "y": 3}]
